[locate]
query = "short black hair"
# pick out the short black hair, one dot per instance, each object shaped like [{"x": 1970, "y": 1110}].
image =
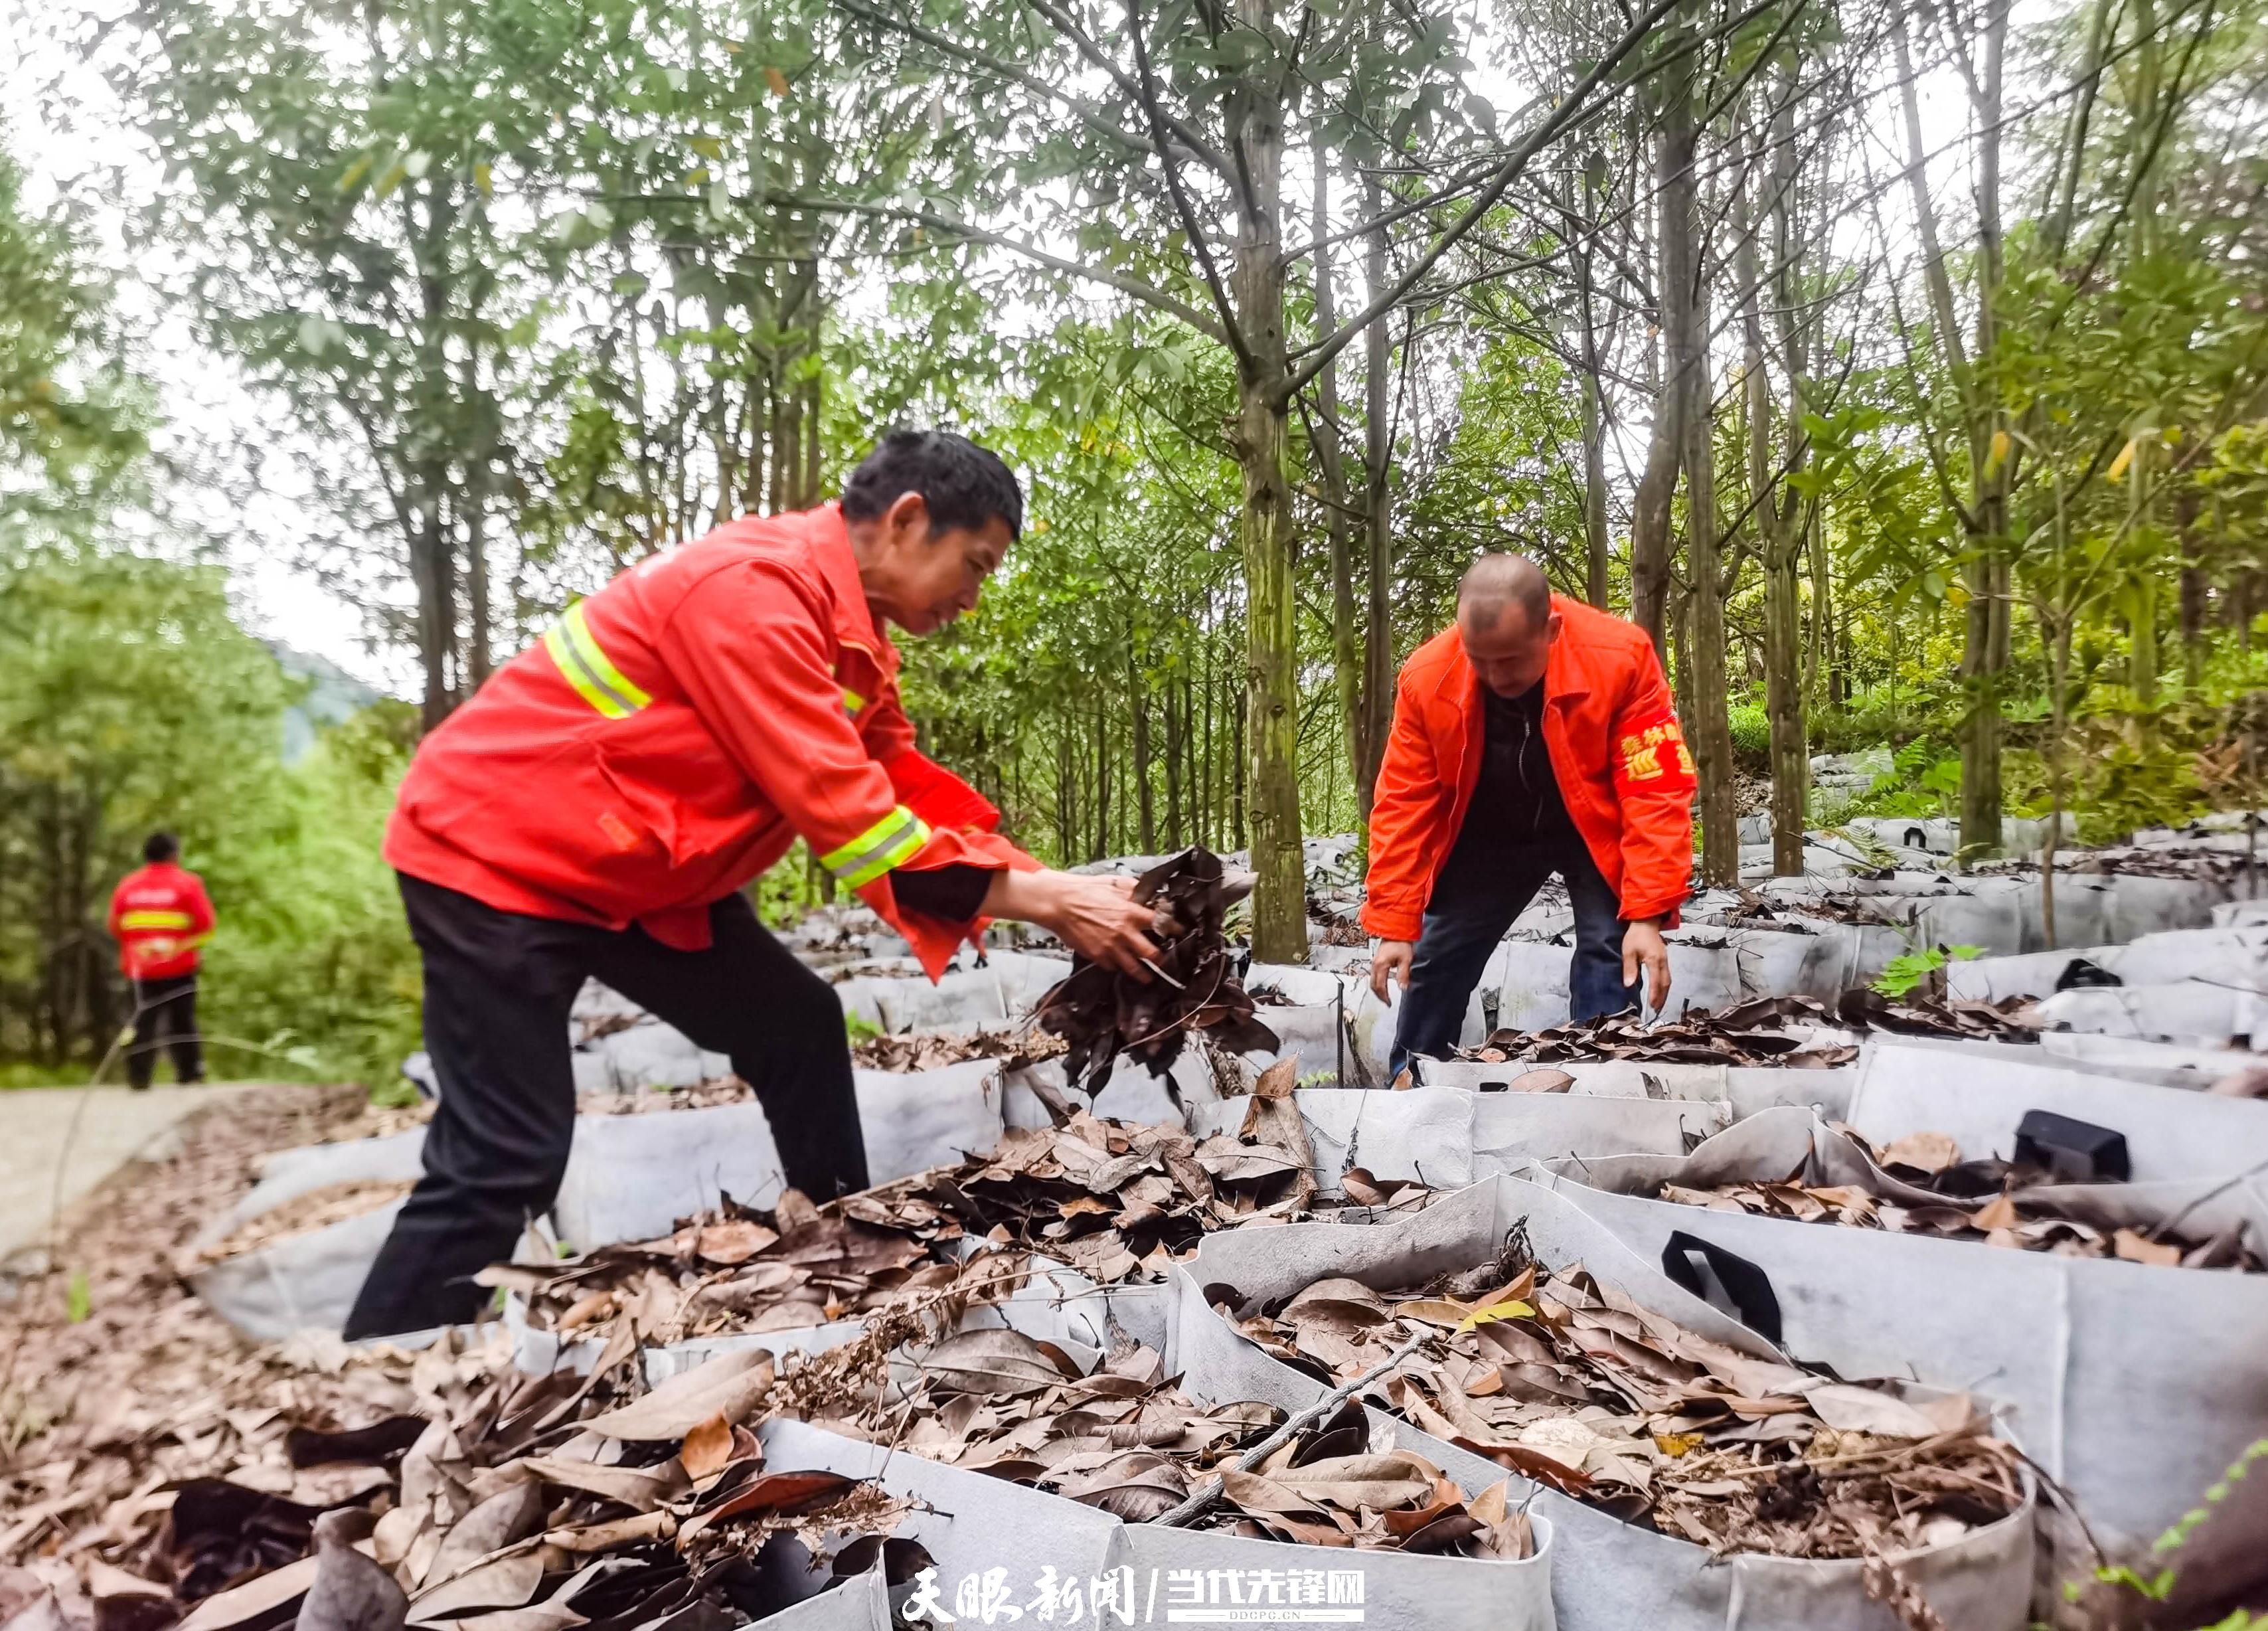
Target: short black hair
[
  {"x": 963, "y": 485},
  {"x": 160, "y": 846}
]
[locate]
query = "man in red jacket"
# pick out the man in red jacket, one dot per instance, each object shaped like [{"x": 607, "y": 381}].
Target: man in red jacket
[
  {"x": 159, "y": 916},
  {"x": 597, "y": 809},
  {"x": 1538, "y": 735}
]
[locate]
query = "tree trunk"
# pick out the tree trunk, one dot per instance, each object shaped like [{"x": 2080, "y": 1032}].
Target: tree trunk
[
  {"x": 1706, "y": 664},
  {"x": 1173, "y": 750},
  {"x": 1675, "y": 283},
  {"x": 1600, "y": 541},
  {"x": 1138, "y": 695},
  {"x": 1780, "y": 525},
  {"x": 1378, "y": 518},
  {"x": 1346, "y": 669},
  {"x": 1271, "y": 712}
]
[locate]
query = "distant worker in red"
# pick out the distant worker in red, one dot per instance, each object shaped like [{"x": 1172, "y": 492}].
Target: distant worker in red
[
  {"x": 161, "y": 917},
  {"x": 1535, "y": 736},
  {"x": 599, "y": 806}
]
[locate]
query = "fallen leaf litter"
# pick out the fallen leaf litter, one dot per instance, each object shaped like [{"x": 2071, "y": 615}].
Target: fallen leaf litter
[{"x": 1562, "y": 1378}]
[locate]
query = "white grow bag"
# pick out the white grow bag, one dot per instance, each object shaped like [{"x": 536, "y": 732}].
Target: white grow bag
[
  {"x": 628, "y": 1177},
  {"x": 1608, "y": 1575},
  {"x": 973, "y": 1524},
  {"x": 2234, "y": 956},
  {"x": 2133, "y": 1386},
  {"x": 2191, "y": 1012},
  {"x": 2171, "y": 1133},
  {"x": 1447, "y": 1137},
  {"x": 1746, "y": 1088}
]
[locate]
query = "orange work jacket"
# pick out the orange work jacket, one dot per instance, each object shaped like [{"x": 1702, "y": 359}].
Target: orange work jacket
[
  {"x": 674, "y": 734},
  {"x": 1610, "y": 727},
  {"x": 159, "y": 916}
]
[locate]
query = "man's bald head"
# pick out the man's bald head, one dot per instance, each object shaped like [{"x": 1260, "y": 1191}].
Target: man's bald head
[
  {"x": 1495, "y": 583},
  {"x": 1505, "y": 621}
]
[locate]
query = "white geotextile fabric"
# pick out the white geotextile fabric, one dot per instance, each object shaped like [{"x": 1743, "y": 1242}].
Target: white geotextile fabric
[
  {"x": 2086, "y": 1054},
  {"x": 2234, "y": 956},
  {"x": 2133, "y": 1386},
  {"x": 861, "y": 1603},
  {"x": 1369, "y": 1023},
  {"x": 628, "y": 1177},
  {"x": 1608, "y": 1575},
  {"x": 972, "y": 1525},
  {"x": 2188, "y": 1013},
  {"x": 1448, "y": 1137},
  {"x": 2171, "y": 1132},
  {"x": 1747, "y": 1088},
  {"x": 2159, "y": 1064}
]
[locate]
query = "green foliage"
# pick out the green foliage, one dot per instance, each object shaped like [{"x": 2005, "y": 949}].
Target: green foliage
[
  {"x": 78, "y": 1299},
  {"x": 1903, "y": 974},
  {"x": 1751, "y": 737},
  {"x": 2157, "y": 1587},
  {"x": 860, "y": 1028},
  {"x": 130, "y": 700}
]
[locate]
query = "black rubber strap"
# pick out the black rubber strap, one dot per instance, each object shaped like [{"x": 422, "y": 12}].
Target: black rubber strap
[{"x": 1728, "y": 1283}]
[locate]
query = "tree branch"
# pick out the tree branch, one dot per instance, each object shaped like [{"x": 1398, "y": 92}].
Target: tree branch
[
  {"x": 1577, "y": 102},
  {"x": 1149, "y": 295}
]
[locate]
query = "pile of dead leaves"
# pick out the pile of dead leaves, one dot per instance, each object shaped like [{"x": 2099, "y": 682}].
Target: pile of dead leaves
[
  {"x": 2012, "y": 1019},
  {"x": 1119, "y": 1201},
  {"x": 1998, "y": 1202},
  {"x": 1121, "y": 1436},
  {"x": 304, "y": 1214},
  {"x": 1192, "y": 988},
  {"x": 740, "y": 1269},
  {"x": 1113, "y": 1200},
  {"x": 489, "y": 1501},
  {"x": 1564, "y": 1380},
  {"x": 1769, "y": 1030},
  {"x": 647, "y": 1100},
  {"x": 118, "y": 1384},
  {"x": 1013, "y": 1048}
]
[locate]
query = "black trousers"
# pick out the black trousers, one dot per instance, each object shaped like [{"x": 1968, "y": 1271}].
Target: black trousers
[
  {"x": 498, "y": 989},
  {"x": 165, "y": 1020},
  {"x": 1474, "y": 903}
]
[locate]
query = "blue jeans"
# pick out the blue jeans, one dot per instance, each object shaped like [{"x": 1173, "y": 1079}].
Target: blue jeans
[{"x": 1472, "y": 907}]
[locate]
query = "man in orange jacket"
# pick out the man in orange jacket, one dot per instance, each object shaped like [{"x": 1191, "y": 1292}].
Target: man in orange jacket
[
  {"x": 597, "y": 809},
  {"x": 1538, "y": 735},
  {"x": 161, "y": 917}
]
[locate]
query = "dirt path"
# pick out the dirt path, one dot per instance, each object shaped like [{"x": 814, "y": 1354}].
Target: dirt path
[{"x": 86, "y": 1134}]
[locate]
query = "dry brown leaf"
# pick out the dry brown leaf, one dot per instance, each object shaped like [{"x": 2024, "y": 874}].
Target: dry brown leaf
[
  {"x": 708, "y": 1449},
  {"x": 727, "y": 1384},
  {"x": 1998, "y": 1212},
  {"x": 2138, "y": 1248},
  {"x": 1923, "y": 1151}
]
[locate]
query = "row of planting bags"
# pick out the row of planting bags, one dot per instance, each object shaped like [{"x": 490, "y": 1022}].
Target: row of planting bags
[{"x": 2131, "y": 1385}]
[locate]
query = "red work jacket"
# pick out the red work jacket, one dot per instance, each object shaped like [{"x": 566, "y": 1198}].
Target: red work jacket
[
  {"x": 159, "y": 916},
  {"x": 1610, "y": 727},
  {"x": 672, "y": 735}
]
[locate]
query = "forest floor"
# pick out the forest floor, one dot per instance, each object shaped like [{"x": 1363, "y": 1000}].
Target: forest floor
[
  {"x": 115, "y": 1377},
  {"x": 56, "y": 1144}
]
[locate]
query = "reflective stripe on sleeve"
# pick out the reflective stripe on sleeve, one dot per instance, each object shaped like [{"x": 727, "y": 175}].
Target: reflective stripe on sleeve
[
  {"x": 154, "y": 920},
  {"x": 890, "y": 842},
  {"x": 589, "y": 669}
]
